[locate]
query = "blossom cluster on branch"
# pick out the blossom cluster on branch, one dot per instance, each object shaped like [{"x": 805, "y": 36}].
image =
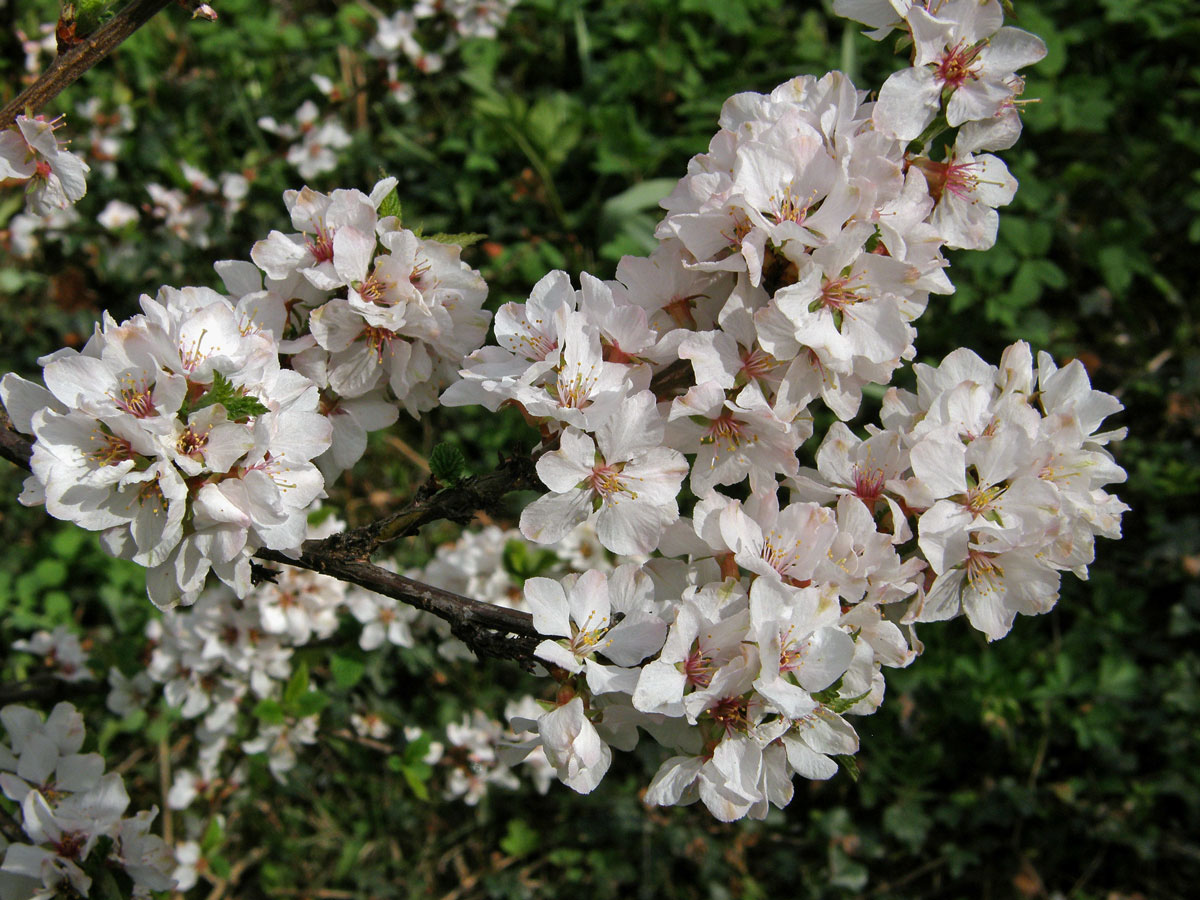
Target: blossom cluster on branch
[
  {"x": 763, "y": 599},
  {"x": 72, "y": 813}
]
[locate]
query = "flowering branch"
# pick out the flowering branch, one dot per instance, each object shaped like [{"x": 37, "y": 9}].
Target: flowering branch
[
  {"x": 488, "y": 630},
  {"x": 68, "y": 66}
]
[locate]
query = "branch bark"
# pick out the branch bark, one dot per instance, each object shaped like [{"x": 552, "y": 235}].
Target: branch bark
[
  {"x": 68, "y": 66},
  {"x": 487, "y": 629}
]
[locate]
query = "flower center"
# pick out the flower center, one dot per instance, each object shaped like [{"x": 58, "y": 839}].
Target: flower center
[
  {"x": 958, "y": 64},
  {"x": 320, "y": 245},
  {"x": 725, "y": 429},
  {"x": 136, "y": 399}
]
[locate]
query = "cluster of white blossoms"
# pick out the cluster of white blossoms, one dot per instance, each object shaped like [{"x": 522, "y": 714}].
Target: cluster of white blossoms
[
  {"x": 201, "y": 430},
  {"x": 754, "y": 603},
  {"x": 30, "y": 153},
  {"x": 415, "y": 32},
  {"x": 316, "y": 138},
  {"x": 72, "y": 813},
  {"x": 794, "y": 259}
]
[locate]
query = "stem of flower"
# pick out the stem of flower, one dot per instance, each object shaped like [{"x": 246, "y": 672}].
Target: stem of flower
[{"x": 70, "y": 65}]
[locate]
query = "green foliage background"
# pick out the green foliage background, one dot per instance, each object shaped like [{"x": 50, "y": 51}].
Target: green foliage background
[{"x": 1060, "y": 762}]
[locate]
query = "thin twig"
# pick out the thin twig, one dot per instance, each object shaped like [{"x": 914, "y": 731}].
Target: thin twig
[{"x": 68, "y": 66}]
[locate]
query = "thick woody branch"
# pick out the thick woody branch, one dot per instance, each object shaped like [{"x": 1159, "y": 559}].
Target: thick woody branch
[
  {"x": 72, "y": 63},
  {"x": 488, "y": 630},
  {"x": 457, "y": 503}
]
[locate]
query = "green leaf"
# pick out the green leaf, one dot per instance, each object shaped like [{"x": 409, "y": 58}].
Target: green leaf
[
  {"x": 297, "y": 685},
  {"x": 520, "y": 839},
  {"x": 447, "y": 464},
  {"x": 849, "y": 765},
  {"x": 415, "y": 783},
  {"x": 390, "y": 205},
  {"x": 237, "y": 404},
  {"x": 310, "y": 704},
  {"x": 416, "y": 749},
  {"x": 522, "y": 562},
  {"x": 347, "y": 670},
  {"x": 840, "y": 704},
  {"x": 457, "y": 239},
  {"x": 269, "y": 711},
  {"x": 829, "y": 694},
  {"x": 213, "y": 836},
  {"x": 219, "y": 866}
]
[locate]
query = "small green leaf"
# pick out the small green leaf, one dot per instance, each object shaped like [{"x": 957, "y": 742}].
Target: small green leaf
[
  {"x": 390, "y": 205},
  {"x": 237, "y": 404},
  {"x": 829, "y": 694},
  {"x": 297, "y": 685},
  {"x": 219, "y": 866},
  {"x": 447, "y": 464},
  {"x": 347, "y": 670},
  {"x": 416, "y": 749},
  {"x": 415, "y": 783},
  {"x": 269, "y": 711},
  {"x": 310, "y": 704},
  {"x": 213, "y": 836},
  {"x": 395, "y": 763},
  {"x": 840, "y": 704},
  {"x": 522, "y": 562},
  {"x": 461, "y": 239},
  {"x": 849, "y": 765},
  {"x": 520, "y": 839}
]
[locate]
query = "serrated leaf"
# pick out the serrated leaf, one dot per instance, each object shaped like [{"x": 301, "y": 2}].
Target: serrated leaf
[
  {"x": 849, "y": 765},
  {"x": 237, "y": 404},
  {"x": 829, "y": 694},
  {"x": 840, "y": 704},
  {"x": 460, "y": 239},
  {"x": 446, "y": 463},
  {"x": 347, "y": 670},
  {"x": 390, "y": 205}
]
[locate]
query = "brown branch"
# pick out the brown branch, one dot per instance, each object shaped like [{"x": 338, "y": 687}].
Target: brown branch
[
  {"x": 458, "y": 503},
  {"x": 68, "y": 66},
  {"x": 17, "y": 448},
  {"x": 48, "y": 687},
  {"x": 488, "y": 630}
]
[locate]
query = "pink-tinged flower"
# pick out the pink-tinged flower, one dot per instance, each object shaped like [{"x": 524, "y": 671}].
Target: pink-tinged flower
[
  {"x": 31, "y": 152},
  {"x": 960, "y": 50},
  {"x": 626, "y": 477},
  {"x": 734, "y": 438},
  {"x": 848, "y": 465},
  {"x": 968, "y": 189},
  {"x": 994, "y": 583}
]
